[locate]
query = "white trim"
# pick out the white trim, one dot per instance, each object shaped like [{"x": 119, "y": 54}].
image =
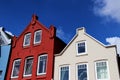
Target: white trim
[
  {"x": 39, "y": 63},
  {"x": 83, "y": 53},
  {"x": 25, "y": 38},
  {"x": 66, "y": 65},
  {"x": 6, "y": 40},
  {"x": 35, "y": 36},
  {"x": 25, "y": 75},
  {"x": 107, "y": 69},
  {"x": 77, "y": 70},
  {"x": 13, "y": 68}
]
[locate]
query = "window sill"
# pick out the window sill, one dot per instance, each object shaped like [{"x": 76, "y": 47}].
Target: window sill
[
  {"x": 81, "y": 54},
  {"x": 14, "y": 77},
  {"x": 27, "y": 75},
  {"x": 25, "y": 47}
]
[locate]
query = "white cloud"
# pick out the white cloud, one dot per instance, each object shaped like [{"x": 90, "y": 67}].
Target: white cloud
[
  {"x": 61, "y": 34},
  {"x": 114, "y": 41},
  {"x": 108, "y": 8}
]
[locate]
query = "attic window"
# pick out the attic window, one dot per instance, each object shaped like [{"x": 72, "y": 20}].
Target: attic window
[
  {"x": 81, "y": 48},
  {"x": 27, "y": 39},
  {"x": 37, "y": 37}
]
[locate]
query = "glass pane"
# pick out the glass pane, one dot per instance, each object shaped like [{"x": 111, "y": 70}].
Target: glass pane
[
  {"x": 28, "y": 68},
  {"x": 37, "y": 36},
  {"x": 81, "y": 47},
  {"x": 27, "y": 39},
  {"x": 16, "y": 68},
  {"x": 82, "y": 72},
  {"x": 42, "y": 64},
  {"x": 102, "y": 70},
  {"x": 0, "y": 74},
  {"x": 64, "y": 73}
]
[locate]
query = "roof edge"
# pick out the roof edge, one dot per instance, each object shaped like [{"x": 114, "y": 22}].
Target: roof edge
[{"x": 83, "y": 28}]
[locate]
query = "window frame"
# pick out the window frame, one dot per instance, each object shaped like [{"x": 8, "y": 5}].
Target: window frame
[
  {"x": 39, "y": 63},
  {"x": 77, "y": 70},
  {"x": 35, "y": 36},
  {"x": 107, "y": 69},
  {"x": 82, "y": 53},
  {"x": 60, "y": 71},
  {"x": 13, "y": 66},
  {"x": 25, "y": 39},
  {"x": 25, "y": 67}
]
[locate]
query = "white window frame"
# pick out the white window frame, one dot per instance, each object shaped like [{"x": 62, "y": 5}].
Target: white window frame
[
  {"x": 82, "y": 53},
  {"x": 77, "y": 70},
  {"x": 39, "y": 63},
  {"x": 107, "y": 69},
  {"x": 25, "y": 67},
  {"x": 14, "y": 67},
  {"x": 35, "y": 36},
  {"x": 60, "y": 70},
  {"x": 25, "y": 39}
]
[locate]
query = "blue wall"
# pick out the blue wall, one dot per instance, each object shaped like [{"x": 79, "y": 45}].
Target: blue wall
[{"x": 4, "y": 55}]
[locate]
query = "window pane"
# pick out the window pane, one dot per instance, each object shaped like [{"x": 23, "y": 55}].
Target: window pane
[
  {"x": 102, "y": 72},
  {"x": 28, "y": 66},
  {"x": 64, "y": 73},
  {"x": 16, "y": 68},
  {"x": 37, "y": 36},
  {"x": 0, "y": 74},
  {"x": 82, "y": 72},
  {"x": 81, "y": 47},
  {"x": 42, "y": 64},
  {"x": 27, "y": 39}
]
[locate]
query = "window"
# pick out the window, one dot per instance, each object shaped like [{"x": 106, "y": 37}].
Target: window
[
  {"x": 0, "y": 74},
  {"x": 64, "y": 73},
  {"x": 82, "y": 72},
  {"x": 81, "y": 48},
  {"x": 37, "y": 36},
  {"x": 28, "y": 66},
  {"x": 42, "y": 63},
  {"x": 15, "y": 69},
  {"x": 27, "y": 39},
  {"x": 102, "y": 70}
]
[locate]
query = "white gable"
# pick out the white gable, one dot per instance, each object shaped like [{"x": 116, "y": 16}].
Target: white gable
[{"x": 4, "y": 40}]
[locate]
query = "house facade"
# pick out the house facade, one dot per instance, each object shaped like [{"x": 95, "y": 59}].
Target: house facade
[
  {"x": 5, "y": 46},
  {"x": 85, "y": 58},
  {"x": 32, "y": 54}
]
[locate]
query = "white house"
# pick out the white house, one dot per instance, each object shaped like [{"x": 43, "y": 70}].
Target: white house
[{"x": 85, "y": 58}]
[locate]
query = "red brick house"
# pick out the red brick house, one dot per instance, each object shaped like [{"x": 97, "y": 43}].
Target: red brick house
[{"x": 32, "y": 55}]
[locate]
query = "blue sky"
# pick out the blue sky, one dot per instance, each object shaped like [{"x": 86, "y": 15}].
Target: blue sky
[{"x": 100, "y": 17}]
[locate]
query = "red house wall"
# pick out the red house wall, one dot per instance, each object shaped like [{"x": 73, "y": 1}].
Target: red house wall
[{"x": 47, "y": 45}]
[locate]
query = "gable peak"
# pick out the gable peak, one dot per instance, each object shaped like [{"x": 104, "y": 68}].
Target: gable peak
[
  {"x": 34, "y": 19},
  {"x": 80, "y": 30}
]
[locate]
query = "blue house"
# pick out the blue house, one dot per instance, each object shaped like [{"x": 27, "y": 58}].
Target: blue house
[{"x": 5, "y": 46}]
